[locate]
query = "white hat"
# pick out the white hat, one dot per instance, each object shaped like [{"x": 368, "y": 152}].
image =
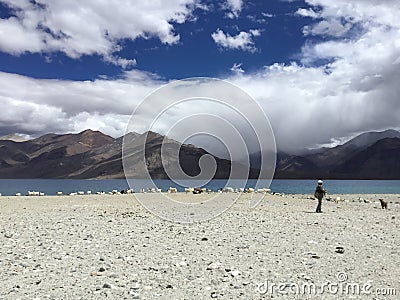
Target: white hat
[{"x": 319, "y": 181}]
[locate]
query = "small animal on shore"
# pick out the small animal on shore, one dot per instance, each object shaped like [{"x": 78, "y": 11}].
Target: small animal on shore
[{"x": 384, "y": 203}]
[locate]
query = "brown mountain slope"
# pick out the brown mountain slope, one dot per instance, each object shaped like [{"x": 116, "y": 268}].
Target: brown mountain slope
[
  {"x": 379, "y": 161},
  {"x": 91, "y": 154}
]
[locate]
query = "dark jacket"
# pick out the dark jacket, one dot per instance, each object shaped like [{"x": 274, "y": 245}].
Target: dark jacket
[{"x": 319, "y": 192}]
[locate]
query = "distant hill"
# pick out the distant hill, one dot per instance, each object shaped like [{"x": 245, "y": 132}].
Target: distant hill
[
  {"x": 92, "y": 154},
  {"x": 370, "y": 155},
  {"x": 379, "y": 161}
]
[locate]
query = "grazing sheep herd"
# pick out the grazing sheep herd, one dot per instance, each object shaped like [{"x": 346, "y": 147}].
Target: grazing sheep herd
[
  {"x": 171, "y": 190},
  {"x": 198, "y": 190}
]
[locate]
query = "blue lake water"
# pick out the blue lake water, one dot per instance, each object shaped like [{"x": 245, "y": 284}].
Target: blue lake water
[{"x": 51, "y": 187}]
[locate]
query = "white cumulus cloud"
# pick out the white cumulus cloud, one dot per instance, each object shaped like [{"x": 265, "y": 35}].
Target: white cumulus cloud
[
  {"x": 237, "y": 68},
  {"x": 89, "y": 27},
  {"x": 234, "y": 7},
  {"x": 242, "y": 41}
]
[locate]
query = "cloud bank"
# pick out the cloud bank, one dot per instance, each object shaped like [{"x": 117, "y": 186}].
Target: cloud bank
[{"x": 346, "y": 83}]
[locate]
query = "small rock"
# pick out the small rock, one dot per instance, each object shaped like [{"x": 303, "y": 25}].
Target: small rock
[
  {"x": 107, "y": 286},
  {"x": 235, "y": 273},
  {"x": 135, "y": 286},
  {"x": 214, "y": 265},
  {"x": 214, "y": 295},
  {"x": 169, "y": 286},
  {"x": 339, "y": 250},
  {"x": 134, "y": 295},
  {"x": 204, "y": 239},
  {"x": 102, "y": 269}
]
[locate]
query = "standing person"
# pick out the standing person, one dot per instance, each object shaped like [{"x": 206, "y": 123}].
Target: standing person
[{"x": 319, "y": 194}]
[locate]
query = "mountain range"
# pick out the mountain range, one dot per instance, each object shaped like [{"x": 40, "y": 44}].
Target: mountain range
[
  {"x": 92, "y": 154},
  {"x": 371, "y": 155}
]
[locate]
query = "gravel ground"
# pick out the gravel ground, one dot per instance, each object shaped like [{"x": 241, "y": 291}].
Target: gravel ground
[{"x": 104, "y": 246}]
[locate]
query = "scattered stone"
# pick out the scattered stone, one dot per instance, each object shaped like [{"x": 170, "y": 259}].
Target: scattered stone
[
  {"x": 204, "y": 239},
  {"x": 134, "y": 294},
  {"x": 107, "y": 286},
  {"x": 102, "y": 269},
  {"x": 135, "y": 286},
  {"x": 235, "y": 273},
  {"x": 339, "y": 250},
  {"x": 183, "y": 263},
  {"x": 214, "y": 265}
]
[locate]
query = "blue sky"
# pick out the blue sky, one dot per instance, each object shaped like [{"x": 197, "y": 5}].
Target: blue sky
[
  {"x": 196, "y": 53},
  {"x": 322, "y": 70}
]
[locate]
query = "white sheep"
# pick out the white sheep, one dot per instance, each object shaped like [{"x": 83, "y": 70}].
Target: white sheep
[
  {"x": 172, "y": 190},
  {"x": 229, "y": 190},
  {"x": 263, "y": 190},
  {"x": 18, "y": 194},
  {"x": 59, "y": 193},
  {"x": 89, "y": 192},
  {"x": 189, "y": 190},
  {"x": 81, "y": 193}
]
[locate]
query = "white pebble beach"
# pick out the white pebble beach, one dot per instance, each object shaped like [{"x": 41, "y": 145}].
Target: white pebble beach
[{"x": 109, "y": 246}]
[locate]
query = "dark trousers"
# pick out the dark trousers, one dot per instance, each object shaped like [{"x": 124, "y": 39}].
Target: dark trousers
[{"x": 319, "y": 204}]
